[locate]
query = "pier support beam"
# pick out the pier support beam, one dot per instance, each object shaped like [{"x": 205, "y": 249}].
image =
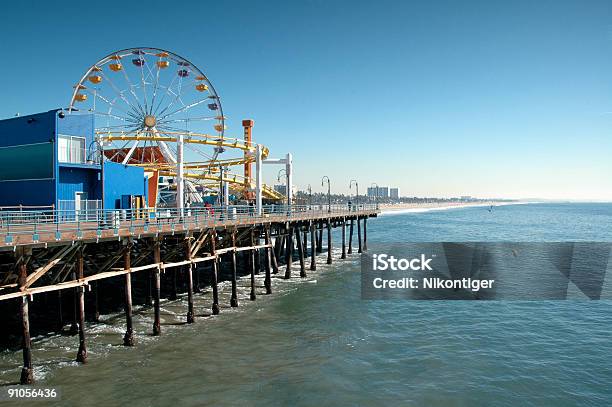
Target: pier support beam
[
  {"x": 313, "y": 247},
  {"x": 157, "y": 286},
  {"x": 252, "y": 266},
  {"x": 190, "y": 314},
  {"x": 289, "y": 252},
  {"x": 329, "y": 242},
  {"x": 350, "y": 245},
  {"x": 320, "y": 239},
  {"x": 343, "y": 256},
  {"x": 128, "y": 338},
  {"x": 22, "y": 273},
  {"x": 300, "y": 246},
  {"x": 359, "y": 235},
  {"x": 273, "y": 255},
  {"x": 215, "y": 269},
  {"x": 82, "y": 352},
  {"x": 234, "y": 298},
  {"x": 268, "y": 261},
  {"x": 365, "y": 234}
]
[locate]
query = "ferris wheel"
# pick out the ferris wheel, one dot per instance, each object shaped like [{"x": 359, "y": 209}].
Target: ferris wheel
[
  {"x": 143, "y": 99},
  {"x": 154, "y": 109}
]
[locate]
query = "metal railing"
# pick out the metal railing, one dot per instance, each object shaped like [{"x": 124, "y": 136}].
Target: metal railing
[{"x": 15, "y": 223}]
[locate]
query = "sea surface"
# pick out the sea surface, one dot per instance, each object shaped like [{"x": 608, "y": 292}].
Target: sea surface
[{"x": 314, "y": 341}]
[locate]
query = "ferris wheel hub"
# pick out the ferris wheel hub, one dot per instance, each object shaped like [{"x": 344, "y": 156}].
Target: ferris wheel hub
[{"x": 149, "y": 121}]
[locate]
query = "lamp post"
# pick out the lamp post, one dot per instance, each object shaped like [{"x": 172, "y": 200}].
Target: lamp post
[
  {"x": 357, "y": 188},
  {"x": 328, "y": 192},
  {"x": 376, "y": 197},
  {"x": 309, "y": 197}
]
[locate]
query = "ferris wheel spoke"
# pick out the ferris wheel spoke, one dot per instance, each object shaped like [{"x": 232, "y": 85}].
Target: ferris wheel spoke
[
  {"x": 189, "y": 119},
  {"x": 131, "y": 90},
  {"x": 185, "y": 108},
  {"x": 155, "y": 88},
  {"x": 111, "y": 104},
  {"x": 121, "y": 94},
  {"x": 177, "y": 96},
  {"x": 144, "y": 87},
  {"x": 164, "y": 96}
]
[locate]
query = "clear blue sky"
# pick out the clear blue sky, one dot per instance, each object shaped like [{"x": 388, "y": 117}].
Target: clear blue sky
[{"x": 440, "y": 98}]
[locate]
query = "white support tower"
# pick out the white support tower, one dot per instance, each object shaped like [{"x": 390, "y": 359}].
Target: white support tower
[
  {"x": 258, "y": 180},
  {"x": 288, "y": 161},
  {"x": 180, "y": 175}
]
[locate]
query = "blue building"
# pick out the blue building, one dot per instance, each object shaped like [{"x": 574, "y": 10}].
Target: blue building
[{"x": 52, "y": 159}]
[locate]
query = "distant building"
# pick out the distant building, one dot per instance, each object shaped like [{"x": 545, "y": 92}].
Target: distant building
[
  {"x": 394, "y": 193},
  {"x": 383, "y": 192}
]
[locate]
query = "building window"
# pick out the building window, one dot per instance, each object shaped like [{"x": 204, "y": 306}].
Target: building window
[{"x": 71, "y": 149}]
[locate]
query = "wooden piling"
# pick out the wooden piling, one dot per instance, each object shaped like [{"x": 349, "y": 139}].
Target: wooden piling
[
  {"x": 359, "y": 235},
  {"x": 313, "y": 247},
  {"x": 27, "y": 376},
  {"x": 329, "y": 242},
  {"x": 274, "y": 259},
  {"x": 252, "y": 265},
  {"x": 320, "y": 239},
  {"x": 234, "y": 298},
  {"x": 82, "y": 352},
  {"x": 350, "y": 244},
  {"x": 343, "y": 256},
  {"x": 268, "y": 262},
  {"x": 215, "y": 269},
  {"x": 128, "y": 338},
  {"x": 96, "y": 316},
  {"x": 365, "y": 234},
  {"x": 305, "y": 242},
  {"x": 157, "y": 288},
  {"x": 74, "y": 326},
  {"x": 300, "y": 246},
  {"x": 289, "y": 253},
  {"x": 190, "y": 313}
]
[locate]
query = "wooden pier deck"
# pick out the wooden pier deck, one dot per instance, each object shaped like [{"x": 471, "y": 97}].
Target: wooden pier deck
[{"x": 42, "y": 253}]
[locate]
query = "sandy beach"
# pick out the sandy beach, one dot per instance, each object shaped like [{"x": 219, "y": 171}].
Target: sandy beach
[{"x": 433, "y": 206}]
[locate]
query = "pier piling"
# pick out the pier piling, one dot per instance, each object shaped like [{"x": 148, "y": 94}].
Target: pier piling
[
  {"x": 157, "y": 288},
  {"x": 289, "y": 253},
  {"x": 365, "y": 234},
  {"x": 300, "y": 246},
  {"x": 350, "y": 243},
  {"x": 215, "y": 267},
  {"x": 82, "y": 352},
  {"x": 187, "y": 245},
  {"x": 252, "y": 265},
  {"x": 313, "y": 247},
  {"x": 359, "y": 235},
  {"x": 343, "y": 256},
  {"x": 128, "y": 338},
  {"x": 27, "y": 376},
  {"x": 329, "y": 243},
  {"x": 268, "y": 261},
  {"x": 234, "y": 297}
]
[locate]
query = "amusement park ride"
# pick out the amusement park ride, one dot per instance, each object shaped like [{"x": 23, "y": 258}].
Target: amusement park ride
[{"x": 157, "y": 110}]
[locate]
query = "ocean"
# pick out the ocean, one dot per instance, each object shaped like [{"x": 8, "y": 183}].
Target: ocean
[{"x": 314, "y": 341}]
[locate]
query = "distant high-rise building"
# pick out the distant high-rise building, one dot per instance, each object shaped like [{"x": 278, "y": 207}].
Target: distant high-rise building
[
  {"x": 394, "y": 193},
  {"x": 383, "y": 192}
]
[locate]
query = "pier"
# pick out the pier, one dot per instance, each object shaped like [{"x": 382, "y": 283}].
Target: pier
[{"x": 46, "y": 252}]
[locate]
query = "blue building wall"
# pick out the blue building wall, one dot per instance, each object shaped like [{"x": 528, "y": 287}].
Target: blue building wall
[
  {"x": 27, "y": 160},
  {"x": 121, "y": 180},
  {"x": 75, "y": 179},
  {"x": 80, "y": 125}
]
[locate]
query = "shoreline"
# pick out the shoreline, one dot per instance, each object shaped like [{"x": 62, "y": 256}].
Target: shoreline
[{"x": 391, "y": 209}]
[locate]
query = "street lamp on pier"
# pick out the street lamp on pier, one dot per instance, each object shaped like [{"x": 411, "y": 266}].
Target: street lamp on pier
[
  {"x": 328, "y": 192},
  {"x": 376, "y": 197}
]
